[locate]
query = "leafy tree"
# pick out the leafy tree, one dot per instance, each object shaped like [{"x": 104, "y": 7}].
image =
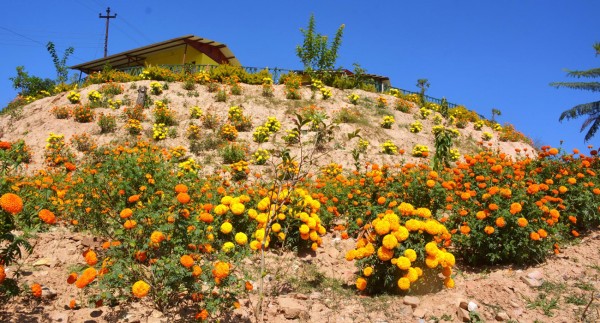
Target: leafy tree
[
  {"x": 62, "y": 71},
  {"x": 315, "y": 52},
  {"x": 30, "y": 85},
  {"x": 423, "y": 84},
  {"x": 591, "y": 109},
  {"x": 495, "y": 112}
]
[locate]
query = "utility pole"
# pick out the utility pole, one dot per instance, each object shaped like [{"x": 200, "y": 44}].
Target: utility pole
[{"x": 107, "y": 17}]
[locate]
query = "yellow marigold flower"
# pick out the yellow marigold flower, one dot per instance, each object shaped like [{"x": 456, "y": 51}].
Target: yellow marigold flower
[
  {"x": 413, "y": 225},
  {"x": 276, "y": 227},
  {"x": 423, "y": 212},
  {"x": 410, "y": 254},
  {"x": 419, "y": 271},
  {"x": 432, "y": 227},
  {"x": 281, "y": 236},
  {"x": 226, "y": 227},
  {"x": 259, "y": 234},
  {"x": 321, "y": 229},
  {"x": 385, "y": 254},
  {"x": 403, "y": 263},
  {"x": 241, "y": 238},
  {"x": 11, "y": 203},
  {"x": 313, "y": 235},
  {"x": 350, "y": 255},
  {"x": 228, "y": 246},
  {"x": 312, "y": 223},
  {"x": 382, "y": 227},
  {"x": 406, "y": 208},
  {"x": 226, "y": 200},
  {"x": 412, "y": 275},
  {"x": 431, "y": 261},
  {"x": 368, "y": 271},
  {"x": 389, "y": 241},
  {"x": 361, "y": 283},
  {"x": 254, "y": 245},
  {"x": 449, "y": 282},
  {"x": 252, "y": 213},
  {"x": 237, "y": 208},
  {"x": 369, "y": 249},
  {"x": 221, "y": 209},
  {"x": 401, "y": 234},
  {"x": 404, "y": 283},
  {"x": 264, "y": 204},
  {"x": 304, "y": 229},
  {"x": 431, "y": 248},
  {"x": 446, "y": 259}
]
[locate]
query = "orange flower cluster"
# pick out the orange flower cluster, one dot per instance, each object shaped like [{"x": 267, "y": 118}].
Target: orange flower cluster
[
  {"x": 220, "y": 270},
  {"x": 140, "y": 289},
  {"x": 90, "y": 257},
  {"x": 2, "y": 274},
  {"x": 36, "y": 290}
]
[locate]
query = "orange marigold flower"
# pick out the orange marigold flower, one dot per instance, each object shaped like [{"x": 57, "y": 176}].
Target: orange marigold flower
[
  {"x": 140, "y": 256},
  {"x": 36, "y": 290},
  {"x": 202, "y": 315},
  {"x": 522, "y": 222},
  {"x": 70, "y": 166},
  {"x": 187, "y": 261},
  {"x": 196, "y": 271},
  {"x": 5, "y": 145},
  {"x": 140, "y": 289},
  {"x": 130, "y": 224},
  {"x": 2, "y": 274},
  {"x": 72, "y": 278},
  {"x": 465, "y": 229},
  {"x": 493, "y": 207},
  {"x": 221, "y": 270},
  {"x": 575, "y": 233},
  {"x": 157, "y": 237},
  {"x": 572, "y": 219},
  {"x": 90, "y": 257},
  {"x": 489, "y": 230},
  {"x": 542, "y": 233},
  {"x": 249, "y": 286},
  {"x": 361, "y": 283},
  {"x": 126, "y": 212},
  {"x": 133, "y": 198},
  {"x": 72, "y": 304},
  {"x": 181, "y": 188},
  {"x": 86, "y": 277},
  {"x": 11, "y": 203},
  {"x": 534, "y": 236},
  {"x": 183, "y": 198},
  {"x": 500, "y": 222},
  {"x": 515, "y": 208},
  {"x": 47, "y": 216}
]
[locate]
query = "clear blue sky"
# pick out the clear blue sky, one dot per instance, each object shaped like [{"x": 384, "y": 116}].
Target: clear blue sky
[{"x": 482, "y": 54}]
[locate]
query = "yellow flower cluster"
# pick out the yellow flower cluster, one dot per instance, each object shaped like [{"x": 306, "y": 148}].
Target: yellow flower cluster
[
  {"x": 55, "y": 142},
  {"x": 94, "y": 96},
  {"x": 331, "y": 170},
  {"x": 261, "y": 134},
  {"x": 387, "y": 122},
  {"x": 362, "y": 145},
  {"x": 395, "y": 92},
  {"x": 156, "y": 88},
  {"x": 273, "y": 124},
  {"x": 416, "y": 127},
  {"x": 134, "y": 126},
  {"x": 159, "y": 131},
  {"x": 478, "y": 125},
  {"x": 188, "y": 166},
  {"x": 193, "y": 132},
  {"x": 261, "y": 156},
  {"x": 353, "y": 98},
  {"x": 228, "y": 132},
  {"x": 178, "y": 152},
  {"x": 486, "y": 136},
  {"x": 424, "y": 112},
  {"x": 389, "y": 148},
  {"x": 74, "y": 97},
  {"x": 381, "y": 102},
  {"x": 196, "y": 112},
  {"x": 454, "y": 154},
  {"x": 497, "y": 127},
  {"x": 115, "y": 104},
  {"x": 420, "y": 151},
  {"x": 291, "y": 137},
  {"x": 325, "y": 92}
]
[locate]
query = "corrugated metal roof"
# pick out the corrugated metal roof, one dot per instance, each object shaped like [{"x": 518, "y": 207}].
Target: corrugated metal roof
[{"x": 135, "y": 57}]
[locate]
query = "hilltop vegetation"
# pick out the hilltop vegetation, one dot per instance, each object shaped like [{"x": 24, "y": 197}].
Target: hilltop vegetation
[{"x": 191, "y": 191}]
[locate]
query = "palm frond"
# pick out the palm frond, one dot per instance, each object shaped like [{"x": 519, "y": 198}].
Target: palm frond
[
  {"x": 593, "y": 128},
  {"x": 592, "y": 108},
  {"x": 594, "y": 72},
  {"x": 589, "y": 86}
]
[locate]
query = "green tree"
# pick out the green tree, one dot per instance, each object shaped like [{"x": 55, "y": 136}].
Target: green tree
[
  {"x": 30, "y": 85},
  {"x": 315, "y": 52},
  {"x": 423, "y": 84},
  {"x": 62, "y": 71},
  {"x": 495, "y": 112},
  {"x": 591, "y": 109}
]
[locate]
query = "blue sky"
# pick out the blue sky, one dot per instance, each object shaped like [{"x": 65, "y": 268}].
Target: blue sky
[{"x": 482, "y": 54}]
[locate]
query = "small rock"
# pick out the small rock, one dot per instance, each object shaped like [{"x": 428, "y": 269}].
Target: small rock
[
  {"x": 419, "y": 312},
  {"x": 464, "y": 305},
  {"x": 316, "y": 295},
  {"x": 291, "y": 308},
  {"x": 301, "y": 296},
  {"x": 413, "y": 301},
  {"x": 42, "y": 262},
  {"x": 157, "y": 314},
  {"x": 472, "y": 306},
  {"x": 61, "y": 317},
  {"x": 518, "y": 312},
  {"x": 48, "y": 292},
  {"x": 502, "y": 316},
  {"x": 462, "y": 315},
  {"x": 536, "y": 275},
  {"x": 514, "y": 304},
  {"x": 531, "y": 282}
]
